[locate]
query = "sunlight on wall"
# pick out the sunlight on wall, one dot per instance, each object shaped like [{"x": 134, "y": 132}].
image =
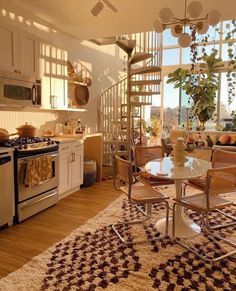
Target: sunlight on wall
[{"x": 28, "y": 22}]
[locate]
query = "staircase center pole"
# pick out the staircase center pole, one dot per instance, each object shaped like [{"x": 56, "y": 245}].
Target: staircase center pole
[{"x": 128, "y": 108}]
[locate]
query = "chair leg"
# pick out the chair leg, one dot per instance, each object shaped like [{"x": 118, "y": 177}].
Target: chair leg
[
  {"x": 141, "y": 210},
  {"x": 148, "y": 216},
  {"x": 207, "y": 232},
  {"x": 218, "y": 226}
]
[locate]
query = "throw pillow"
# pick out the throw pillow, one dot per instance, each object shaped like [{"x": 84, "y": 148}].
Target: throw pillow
[
  {"x": 232, "y": 138},
  {"x": 224, "y": 138}
]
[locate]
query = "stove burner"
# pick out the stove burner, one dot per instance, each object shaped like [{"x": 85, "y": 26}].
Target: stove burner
[{"x": 22, "y": 142}]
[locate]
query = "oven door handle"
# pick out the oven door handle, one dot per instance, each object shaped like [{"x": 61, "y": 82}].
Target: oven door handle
[
  {"x": 24, "y": 160},
  {"x": 26, "y": 204}
]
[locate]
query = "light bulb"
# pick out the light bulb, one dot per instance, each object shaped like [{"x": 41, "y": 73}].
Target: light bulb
[
  {"x": 202, "y": 27},
  {"x": 194, "y": 9},
  {"x": 184, "y": 40},
  {"x": 214, "y": 17},
  {"x": 165, "y": 15},
  {"x": 176, "y": 30},
  {"x": 158, "y": 26}
]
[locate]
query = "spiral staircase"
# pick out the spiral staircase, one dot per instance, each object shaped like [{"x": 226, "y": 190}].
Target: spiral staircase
[{"x": 121, "y": 107}]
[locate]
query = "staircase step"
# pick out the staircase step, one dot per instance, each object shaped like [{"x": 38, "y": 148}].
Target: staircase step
[
  {"x": 104, "y": 40},
  {"x": 142, "y": 93},
  {"x": 136, "y": 103},
  {"x": 126, "y": 45},
  {"x": 145, "y": 82},
  {"x": 145, "y": 70},
  {"x": 122, "y": 123},
  {"x": 139, "y": 57},
  {"x": 116, "y": 141}
]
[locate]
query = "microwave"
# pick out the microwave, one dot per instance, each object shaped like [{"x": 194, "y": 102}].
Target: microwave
[{"x": 19, "y": 90}]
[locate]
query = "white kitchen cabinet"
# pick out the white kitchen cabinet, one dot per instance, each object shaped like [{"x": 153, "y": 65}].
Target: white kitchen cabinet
[
  {"x": 19, "y": 51},
  {"x": 7, "y": 195},
  {"x": 8, "y": 47},
  {"x": 77, "y": 165},
  {"x": 71, "y": 160},
  {"x": 64, "y": 172},
  {"x": 28, "y": 54}
]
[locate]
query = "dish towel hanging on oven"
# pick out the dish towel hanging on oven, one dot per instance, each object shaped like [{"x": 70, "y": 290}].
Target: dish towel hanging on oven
[{"x": 38, "y": 170}]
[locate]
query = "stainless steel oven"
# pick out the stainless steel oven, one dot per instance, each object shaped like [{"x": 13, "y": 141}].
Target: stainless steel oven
[
  {"x": 19, "y": 90},
  {"x": 25, "y": 191},
  {"x": 30, "y": 155}
]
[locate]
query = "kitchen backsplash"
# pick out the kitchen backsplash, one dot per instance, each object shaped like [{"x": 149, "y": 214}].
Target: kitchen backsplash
[{"x": 41, "y": 120}]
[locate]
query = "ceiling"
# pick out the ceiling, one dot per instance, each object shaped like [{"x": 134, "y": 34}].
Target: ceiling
[{"x": 74, "y": 16}]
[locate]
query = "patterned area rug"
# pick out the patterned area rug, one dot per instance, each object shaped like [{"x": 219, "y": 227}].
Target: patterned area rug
[{"x": 93, "y": 258}]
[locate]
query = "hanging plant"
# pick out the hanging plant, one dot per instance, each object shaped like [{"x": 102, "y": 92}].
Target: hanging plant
[{"x": 231, "y": 74}]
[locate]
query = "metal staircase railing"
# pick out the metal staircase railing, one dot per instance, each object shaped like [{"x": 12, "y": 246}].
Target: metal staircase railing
[{"x": 114, "y": 102}]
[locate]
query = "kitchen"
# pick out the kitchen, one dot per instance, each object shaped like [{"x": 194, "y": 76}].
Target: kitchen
[{"x": 46, "y": 129}]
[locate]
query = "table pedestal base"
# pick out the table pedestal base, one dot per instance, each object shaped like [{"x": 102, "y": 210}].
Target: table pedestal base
[{"x": 184, "y": 227}]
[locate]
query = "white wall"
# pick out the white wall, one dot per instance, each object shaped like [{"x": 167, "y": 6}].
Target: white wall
[{"x": 104, "y": 63}]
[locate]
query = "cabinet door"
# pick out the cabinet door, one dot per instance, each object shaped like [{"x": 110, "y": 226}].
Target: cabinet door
[
  {"x": 7, "y": 201},
  {"x": 28, "y": 54},
  {"x": 64, "y": 172},
  {"x": 77, "y": 168},
  {"x": 8, "y": 47}
]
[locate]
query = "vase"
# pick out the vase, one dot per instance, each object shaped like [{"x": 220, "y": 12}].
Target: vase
[{"x": 179, "y": 152}]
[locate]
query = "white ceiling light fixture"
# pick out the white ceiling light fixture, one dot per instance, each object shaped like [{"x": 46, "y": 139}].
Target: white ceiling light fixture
[
  {"x": 98, "y": 7},
  {"x": 192, "y": 12}
]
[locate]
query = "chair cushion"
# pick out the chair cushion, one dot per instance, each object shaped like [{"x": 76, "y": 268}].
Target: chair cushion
[
  {"x": 224, "y": 138},
  {"x": 198, "y": 202},
  {"x": 198, "y": 183}
]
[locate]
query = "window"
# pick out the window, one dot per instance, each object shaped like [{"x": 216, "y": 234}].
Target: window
[
  {"x": 170, "y": 106},
  {"x": 170, "y": 57}
]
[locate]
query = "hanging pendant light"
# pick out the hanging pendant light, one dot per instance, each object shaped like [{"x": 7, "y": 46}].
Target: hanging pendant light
[{"x": 192, "y": 13}]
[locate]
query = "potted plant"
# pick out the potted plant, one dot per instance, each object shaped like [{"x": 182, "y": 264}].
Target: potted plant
[
  {"x": 151, "y": 129},
  {"x": 200, "y": 86}
]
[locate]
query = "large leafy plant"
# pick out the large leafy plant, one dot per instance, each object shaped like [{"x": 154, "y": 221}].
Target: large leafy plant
[{"x": 201, "y": 87}]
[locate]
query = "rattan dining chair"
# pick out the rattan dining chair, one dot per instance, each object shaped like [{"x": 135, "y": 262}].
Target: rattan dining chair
[
  {"x": 218, "y": 181},
  {"x": 137, "y": 195},
  {"x": 143, "y": 155},
  {"x": 220, "y": 158}
]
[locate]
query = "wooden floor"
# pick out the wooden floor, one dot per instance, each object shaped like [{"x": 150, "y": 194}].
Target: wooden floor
[{"x": 19, "y": 243}]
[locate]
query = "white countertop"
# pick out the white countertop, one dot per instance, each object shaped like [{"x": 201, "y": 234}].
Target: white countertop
[
  {"x": 6, "y": 150},
  {"x": 66, "y": 138}
]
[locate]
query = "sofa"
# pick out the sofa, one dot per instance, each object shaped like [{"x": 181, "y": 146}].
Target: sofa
[{"x": 219, "y": 139}]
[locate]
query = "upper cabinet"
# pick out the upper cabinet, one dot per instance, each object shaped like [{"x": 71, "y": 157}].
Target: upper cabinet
[
  {"x": 19, "y": 51},
  {"x": 28, "y": 54},
  {"x": 8, "y": 47}
]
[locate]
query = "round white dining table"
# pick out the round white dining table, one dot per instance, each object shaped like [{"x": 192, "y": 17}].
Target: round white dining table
[{"x": 166, "y": 168}]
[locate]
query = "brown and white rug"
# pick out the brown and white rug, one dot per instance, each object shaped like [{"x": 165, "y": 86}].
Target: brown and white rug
[{"x": 93, "y": 258}]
